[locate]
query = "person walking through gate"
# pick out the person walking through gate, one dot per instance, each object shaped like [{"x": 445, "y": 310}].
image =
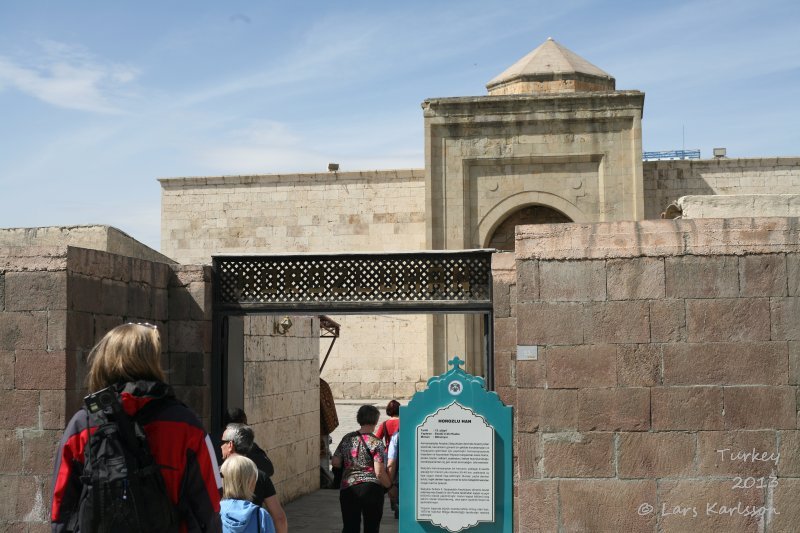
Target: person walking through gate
[
  {"x": 125, "y": 374},
  {"x": 391, "y": 425},
  {"x": 237, "y": 439},
  {"x": 362, "y": 455},
  {"x": 239, "y": 514}
]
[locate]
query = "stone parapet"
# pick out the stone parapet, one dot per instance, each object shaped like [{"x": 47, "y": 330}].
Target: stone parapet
[{"x": 658, "y": 238}]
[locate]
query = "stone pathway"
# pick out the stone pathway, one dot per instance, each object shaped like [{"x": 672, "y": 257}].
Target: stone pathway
[{"x": 319, "y": 511}]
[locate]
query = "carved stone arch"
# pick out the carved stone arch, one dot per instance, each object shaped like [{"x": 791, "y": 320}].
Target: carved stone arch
[{"x": 512, "y": 204}]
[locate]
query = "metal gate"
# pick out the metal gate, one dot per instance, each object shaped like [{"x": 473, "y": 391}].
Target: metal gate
[{"x": 349, "y": 283}]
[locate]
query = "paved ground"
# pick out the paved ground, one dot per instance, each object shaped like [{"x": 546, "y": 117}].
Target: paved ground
[{"x": 319, "y": 512}]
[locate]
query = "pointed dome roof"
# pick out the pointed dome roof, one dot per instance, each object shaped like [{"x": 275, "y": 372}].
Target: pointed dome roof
[{"x": 551, "y": 68}]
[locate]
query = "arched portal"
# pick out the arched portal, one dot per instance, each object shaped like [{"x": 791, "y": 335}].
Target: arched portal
[{"x": 503, "y": 236}]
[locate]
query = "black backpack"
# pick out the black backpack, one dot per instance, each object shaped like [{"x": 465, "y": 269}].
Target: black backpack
[{"x": 123, "y": 488}]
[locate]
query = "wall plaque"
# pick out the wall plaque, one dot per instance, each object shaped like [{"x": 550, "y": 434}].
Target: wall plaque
[{"x": 456, "y": 457}]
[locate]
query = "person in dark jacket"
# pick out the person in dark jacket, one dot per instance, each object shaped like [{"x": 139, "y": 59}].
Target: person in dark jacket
[{"x": 128, "y": 360}]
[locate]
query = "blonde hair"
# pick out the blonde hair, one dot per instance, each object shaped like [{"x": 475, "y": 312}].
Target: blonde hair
[
  {"x": 239, "y": 475},
  {"x": 126, "y": 353}
]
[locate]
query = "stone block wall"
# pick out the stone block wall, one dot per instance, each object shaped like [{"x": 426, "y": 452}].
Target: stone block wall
[
  {"x": 377, "y": 356},
  {"x": 55, "y": 304},
  {"x": 665, "y": 391},
  {"x": 281, "y": 399},
  {"x": 666, "y": 181}
]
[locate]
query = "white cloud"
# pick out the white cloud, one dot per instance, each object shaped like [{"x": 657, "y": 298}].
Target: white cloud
[{"x": 69, "y": 77}]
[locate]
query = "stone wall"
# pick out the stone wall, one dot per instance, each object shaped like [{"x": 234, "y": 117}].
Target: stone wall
[
  {"x": 281, "y": 399},
  {"x": 377, "y": 356},
  {"x": 666, "y": 181},
  {"x": 659, "y": 344},
  {"x": 55, "y": 303},
  {"x": 331, "y": 212}
]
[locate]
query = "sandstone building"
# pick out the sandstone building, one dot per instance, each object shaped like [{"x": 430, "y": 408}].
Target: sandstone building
[{"x": 553, "y": 141}]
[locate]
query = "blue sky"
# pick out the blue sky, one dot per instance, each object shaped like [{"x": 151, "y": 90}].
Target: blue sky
[{"x": 99, "y": 99}]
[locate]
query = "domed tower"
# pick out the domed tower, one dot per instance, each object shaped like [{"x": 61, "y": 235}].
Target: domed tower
[
  {"x": 552, "y": 142},
  {"x": 551, "y": 68}
]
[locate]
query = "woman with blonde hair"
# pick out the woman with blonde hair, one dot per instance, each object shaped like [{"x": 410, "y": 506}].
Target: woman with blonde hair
[
  {"x": 125, "y": 376},
  {"x": 238, "y": 513}
]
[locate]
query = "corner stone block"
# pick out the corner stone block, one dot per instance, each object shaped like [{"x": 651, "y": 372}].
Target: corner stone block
[
  {"x": 572, "y": 281},
  {"x": 35, "y": 291},
  {"x": 640, "y": 278},
  {"x": 528, "y": 456},
  {"x": 702, "y": 276},
  {"x": 785, "y": 318},
  {"x": 546, "y": 409},
  {"x": 6, "y": 369},
  {"x": 726, "y": 363},
  {"x": 537, "y": 506},
  {"x": 84, "y": 293},
  {"x": 686, "y": 408},
  {"x": 723, "y": 453},
  {"x": 10, "y": 452},
  {"x": 794, "y": 363},
  {"x": 760, "y": 407},
  {"x": 572, "y": 367},
  {"x": 762, "y": 275},
  {"x": 505, "y": 335},
  {"x": 578, "y": 455},
  {"x": 549, "y": 323},
  {"x": 731, "y": 319},
  {"x": 607, "y": 505},
  {"x": 617, "y": 322},
  {"x": 622, "y": 409},
  {"x": 793, "y": 274},
  {"x": 697, "y": 505},
  {"x": 38, "y": 451},
  {"x": 189, "y": 336},
  {"x": 656, "y": 455}
]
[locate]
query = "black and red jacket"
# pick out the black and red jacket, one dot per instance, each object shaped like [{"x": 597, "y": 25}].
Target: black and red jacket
[{"x": 178, "y": 443}]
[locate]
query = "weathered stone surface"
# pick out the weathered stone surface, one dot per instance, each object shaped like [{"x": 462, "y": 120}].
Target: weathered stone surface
[
  {"x": 53, "y": 409},
  {"x": 19, "y": 409},
  {"x": 84, "y": 293},
  {"x": 636, "y": 279},
  {"x": 10, "y": 452},
  {"x": 686, "y": 408},
  {"x": 617, "y": 322},
  {"x": 639, "y": 365},
  {"x": 784, "y": 500},
  {"x": 760, "y": 408},
  {"x": 695, "y": 505},
  {"x": 793, "y": 274},
  {"x": 655, "y": 455},
  {"x": 762, "y": 275},
  {"x": 35, "y": 291},
  {"x": 789, "y": 463},
  {"x": 724, "y": 453},
  {"x": 547, "y": 410},
  {"x": 606, "y": 505},
  {"x": 6, "y": 369},
  {"x": 505, "y": 335},
  {"x": 785, "y": 318},
  {"x": 668, "y": 320},
  {"x": 726, "y": 363},
  {"x": 730, "y": 319},
  {"x": 571, "y": 367},
  {"x": 528, "y": 454},
  {"x": 531, "y": 374},
  {"x": 23, "y": 330},
  {"x": 504, "y": 369},
  {"x": 40, "y": 370},
  {"x": 577, "y": 454},
  {"x": 616, "y": 409},
  {"x": 794, "y": 362},
  {"x": 540, "y": 511},
  {"x": 528, "y": 281},
  {"x": 702, "y": 277},
  {"x": 550, "y": 323},
  {"x": 38, "y": 451},
  {"x": 572, "y": 281}
]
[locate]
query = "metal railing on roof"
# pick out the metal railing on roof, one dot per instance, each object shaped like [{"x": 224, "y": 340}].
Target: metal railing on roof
[{"x": 671, "y": 154}]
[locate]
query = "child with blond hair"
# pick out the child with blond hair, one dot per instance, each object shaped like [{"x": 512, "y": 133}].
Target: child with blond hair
[{"x": 239, "y": 515}]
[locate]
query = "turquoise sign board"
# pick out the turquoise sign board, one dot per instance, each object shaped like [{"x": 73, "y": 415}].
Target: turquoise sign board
[{"x": 456, "y": 457}]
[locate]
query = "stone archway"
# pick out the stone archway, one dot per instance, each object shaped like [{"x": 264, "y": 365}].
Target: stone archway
[{"x": 503, "y": 236}]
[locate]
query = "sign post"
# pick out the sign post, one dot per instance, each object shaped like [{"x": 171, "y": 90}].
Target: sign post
[{"x": 456, "y": 457}]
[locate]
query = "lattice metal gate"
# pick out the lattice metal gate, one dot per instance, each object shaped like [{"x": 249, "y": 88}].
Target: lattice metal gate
[{"x": 352, "y": 283}]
